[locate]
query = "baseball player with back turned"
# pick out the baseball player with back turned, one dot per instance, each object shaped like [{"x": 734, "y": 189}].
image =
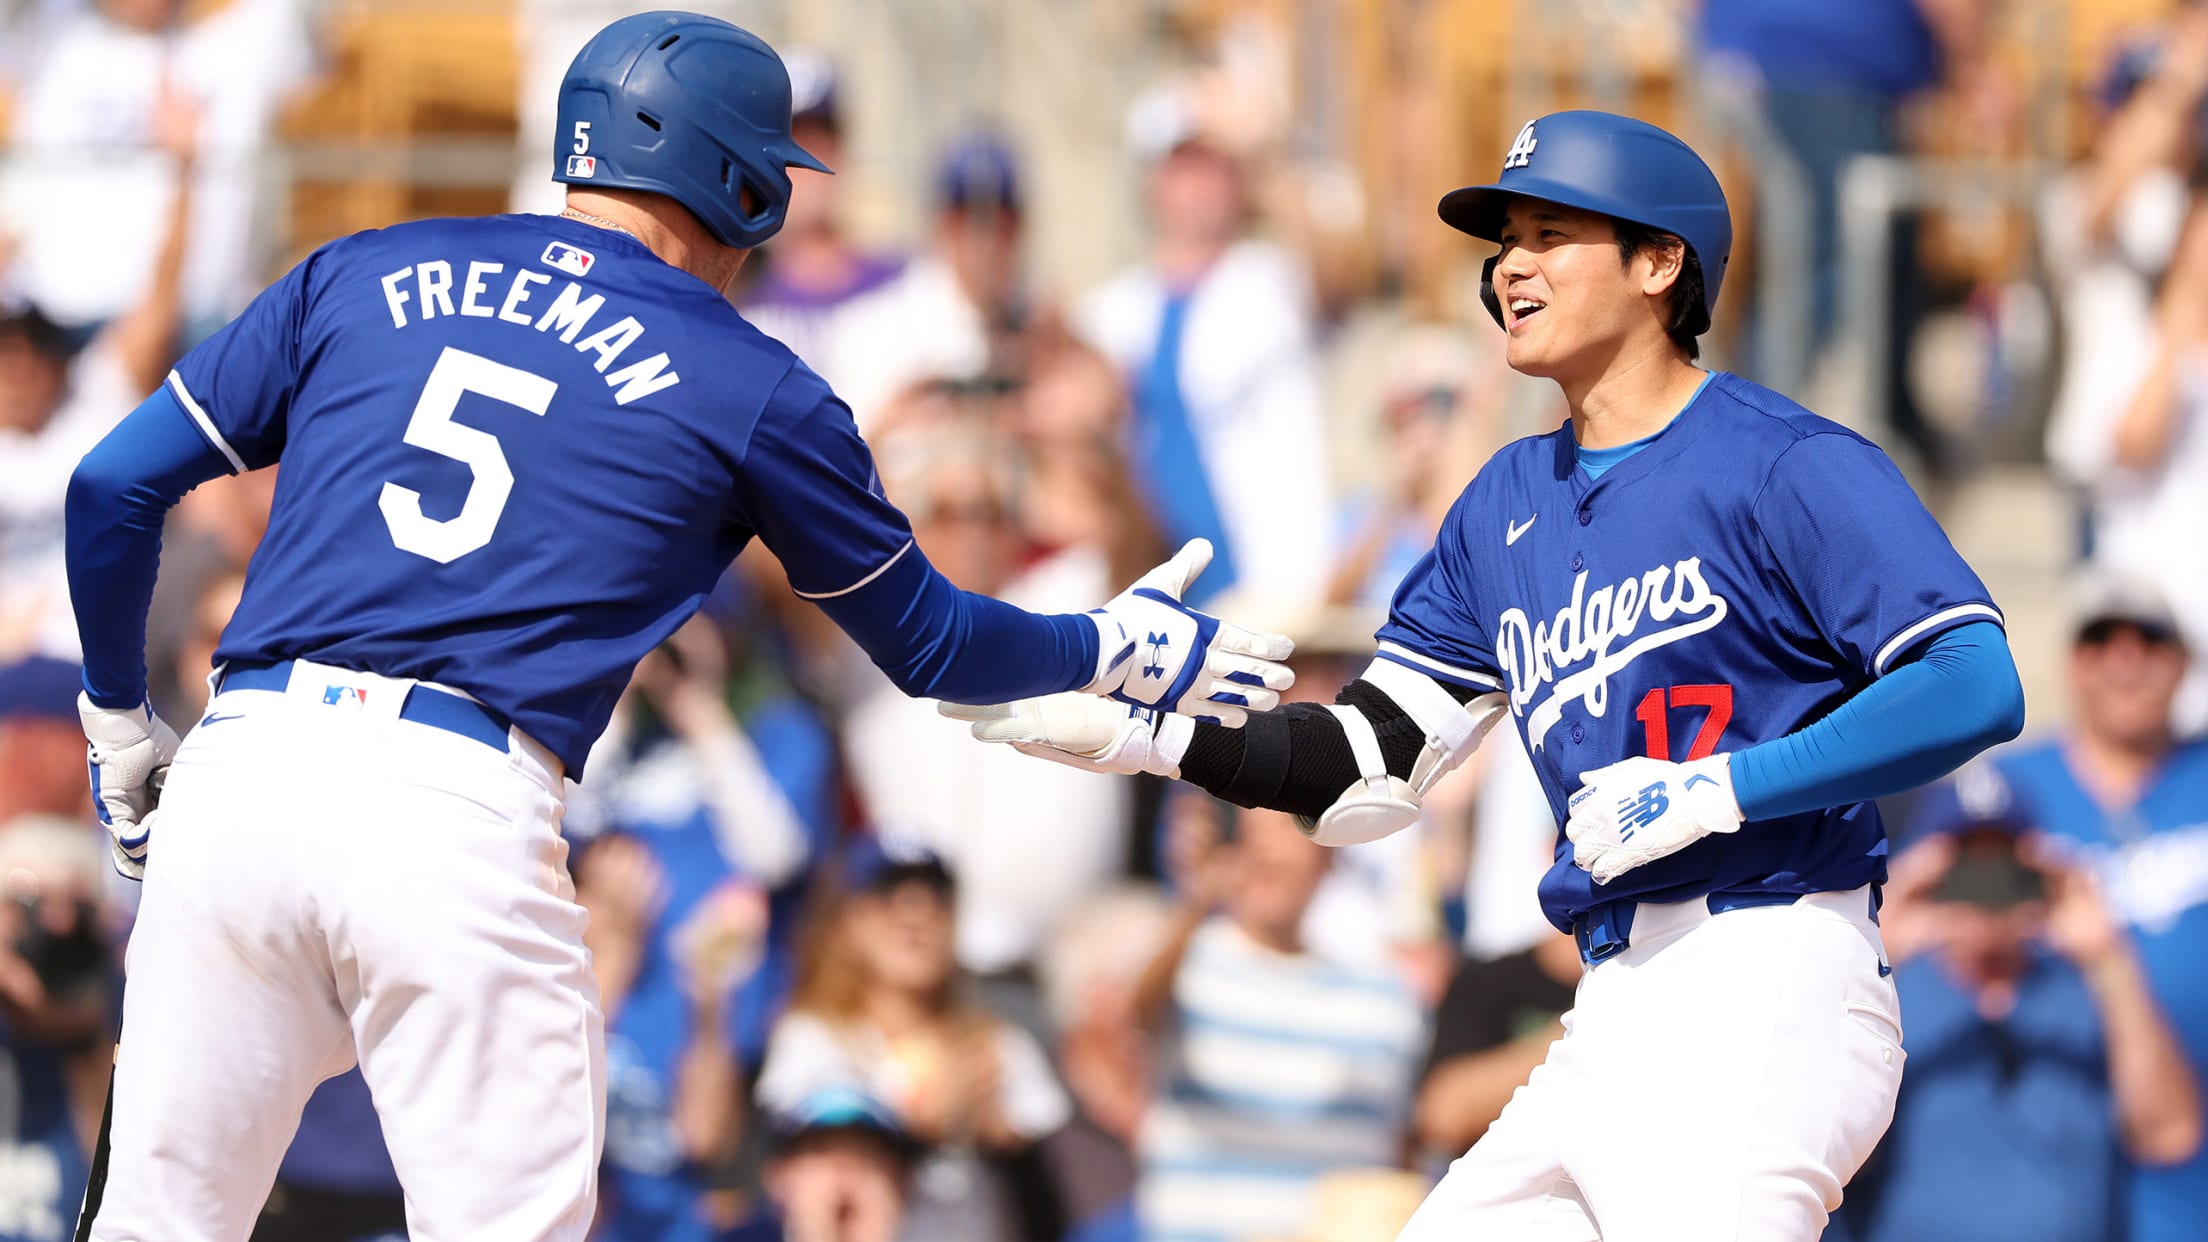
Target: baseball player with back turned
[
  {"x": 1722, "y": 625},
  {"x": 517, "y": 452}
]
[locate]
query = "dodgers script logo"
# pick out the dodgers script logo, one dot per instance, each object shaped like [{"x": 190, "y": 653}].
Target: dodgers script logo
[{"x": 1590, "y": 630}]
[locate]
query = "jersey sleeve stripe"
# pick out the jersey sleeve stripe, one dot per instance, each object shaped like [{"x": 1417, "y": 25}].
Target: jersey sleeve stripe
[
  {"x": 883, "y": 568},
  {"x": 1427, "y": 664},
  {"x": 1947, "y": 616},
  {"x": 206, "y": 424}
]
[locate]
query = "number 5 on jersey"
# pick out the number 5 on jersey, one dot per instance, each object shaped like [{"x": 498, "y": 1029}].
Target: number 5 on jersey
[{"x": 459, "y": 372}]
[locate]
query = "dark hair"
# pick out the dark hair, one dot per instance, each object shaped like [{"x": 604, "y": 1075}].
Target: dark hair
[
  {"x": 1689, "y": 317},
  {"x": 30, "y": 325}
]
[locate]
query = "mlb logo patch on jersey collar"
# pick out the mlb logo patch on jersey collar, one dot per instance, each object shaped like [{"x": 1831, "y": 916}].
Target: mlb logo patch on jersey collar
[{"x": 569, "y": 259}]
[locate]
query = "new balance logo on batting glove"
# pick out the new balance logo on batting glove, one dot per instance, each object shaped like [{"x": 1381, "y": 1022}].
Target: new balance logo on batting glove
[
  {"x": 1639, "y": 810},
  {"x": 1155, "y": 651}
]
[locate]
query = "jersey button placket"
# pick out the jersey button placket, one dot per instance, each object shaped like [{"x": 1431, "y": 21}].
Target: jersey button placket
[
  {"x": 1586, "y": 516},
  {"x": 1578, "y": 562},
  {"x": 1578, "y": 734}
]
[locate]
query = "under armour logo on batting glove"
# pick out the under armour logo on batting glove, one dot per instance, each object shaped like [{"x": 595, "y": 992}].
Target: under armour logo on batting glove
[
  {"x": 1639, "y": 810},
  {"x": 1155, "y": 651},
  {"x": 127, "y": 757}
]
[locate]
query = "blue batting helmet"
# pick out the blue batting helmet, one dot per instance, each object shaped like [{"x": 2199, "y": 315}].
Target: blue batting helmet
[
  {"x": 1615, "y": 165},
  {"x": 689, "y": 107}
]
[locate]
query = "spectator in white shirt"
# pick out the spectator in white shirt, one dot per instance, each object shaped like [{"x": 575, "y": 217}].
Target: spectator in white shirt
[
  {"x": 1216, "y": 338},
  {"x": 55, "y": 405},
  {"x": 2128, "y": 248},
  {"x": 89, "y": 178},
  {"x": 1026, "y": 840}
]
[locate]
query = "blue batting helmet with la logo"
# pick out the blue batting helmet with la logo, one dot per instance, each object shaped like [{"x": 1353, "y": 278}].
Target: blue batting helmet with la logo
[{"x": 1621, "y": 167}]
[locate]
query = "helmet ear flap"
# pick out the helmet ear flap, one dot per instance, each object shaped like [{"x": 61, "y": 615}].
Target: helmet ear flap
[{"x": 1488, "y": 299}]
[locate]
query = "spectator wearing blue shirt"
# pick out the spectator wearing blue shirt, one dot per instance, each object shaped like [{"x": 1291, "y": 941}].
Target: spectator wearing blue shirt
[
  {"x": 668, "y": 953},
  {"x": 58, "y": 987},
  {"x": 2122, "y": 788},
  {"x": 728, "y": 773},
  {"x": 2039, "y": 1062}
]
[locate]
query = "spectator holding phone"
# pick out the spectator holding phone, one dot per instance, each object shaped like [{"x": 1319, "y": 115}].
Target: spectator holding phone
[
  {"x": 2129, "y": 791},
  {"x": 2040, "y": 1064}
]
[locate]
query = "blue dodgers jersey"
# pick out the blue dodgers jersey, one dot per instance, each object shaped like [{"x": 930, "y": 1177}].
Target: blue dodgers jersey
[
  {"x": 2152, "y": 858},
  {"x": 517, "y": 451},
  {"x": 1749, "y": 570}
]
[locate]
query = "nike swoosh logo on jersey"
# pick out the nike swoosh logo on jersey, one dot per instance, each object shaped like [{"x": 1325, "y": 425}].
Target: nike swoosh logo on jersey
[
  {"x": 1514, "y": 529},
  {"x": 212, "y": 718},
  {"x": 1884, "y": 970}
]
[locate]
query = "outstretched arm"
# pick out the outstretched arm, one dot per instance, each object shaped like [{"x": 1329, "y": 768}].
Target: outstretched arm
[
  {"x": 1352, "y": 771},
  {"x": 811, "y": 491}
]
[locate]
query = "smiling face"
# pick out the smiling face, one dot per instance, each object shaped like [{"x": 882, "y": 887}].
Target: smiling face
[
  {"x": 1571, "y": 305},
  {"x": 2125, "y": 676}
]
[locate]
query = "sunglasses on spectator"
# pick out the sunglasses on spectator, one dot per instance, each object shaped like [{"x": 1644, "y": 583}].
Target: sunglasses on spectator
[{"x": 2099, "y": 632}]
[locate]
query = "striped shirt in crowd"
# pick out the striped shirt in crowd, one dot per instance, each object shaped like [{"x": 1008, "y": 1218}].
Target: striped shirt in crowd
[{"x": 1279, "y": 1068}]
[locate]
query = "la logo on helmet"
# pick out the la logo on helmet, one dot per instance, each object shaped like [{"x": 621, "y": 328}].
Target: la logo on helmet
[{"x": 1521, "y": 149}]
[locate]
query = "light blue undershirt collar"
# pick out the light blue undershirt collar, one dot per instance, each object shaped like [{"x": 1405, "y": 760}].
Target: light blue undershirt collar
[{"x": 1595, "y": 461}]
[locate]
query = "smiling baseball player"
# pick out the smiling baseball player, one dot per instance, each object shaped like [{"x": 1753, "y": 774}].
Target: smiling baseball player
[
  {"x": 517, "y": 453},
  {"x": 1722, "y": 625}
]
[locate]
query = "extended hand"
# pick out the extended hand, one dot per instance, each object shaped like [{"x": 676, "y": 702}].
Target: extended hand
[
  {"x": 1639, "y": 810},
  {"x": 1156, "y": 651},
  {"x": 128, "y": 753},
  {"x": 1083, "y": 731}
]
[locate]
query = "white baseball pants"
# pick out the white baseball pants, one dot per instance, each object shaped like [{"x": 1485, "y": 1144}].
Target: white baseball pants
[
  {"x": 329, "y": 882},
  {"x": 1719, "y": 1080}
]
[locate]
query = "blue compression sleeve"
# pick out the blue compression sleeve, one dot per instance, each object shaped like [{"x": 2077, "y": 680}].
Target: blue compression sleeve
[
  {"x": 936, "y": 641},
  {"x": 1922, "y": 720},
  {"x": 118, "y": 498}
]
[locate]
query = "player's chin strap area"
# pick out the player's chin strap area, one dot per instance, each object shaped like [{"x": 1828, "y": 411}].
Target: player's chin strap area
[{"x": 1381, "y": 803}]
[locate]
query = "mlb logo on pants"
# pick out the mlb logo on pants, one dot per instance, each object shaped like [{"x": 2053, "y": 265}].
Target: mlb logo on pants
[{"x": 344, "y": 696}]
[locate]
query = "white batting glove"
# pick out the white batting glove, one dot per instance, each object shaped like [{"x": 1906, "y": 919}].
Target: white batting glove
[
  {"x": 1083, "y": 731},
  {"x": 129, "y": 754},
  {"x": 1155, "y": 651},
  {"x": 1639, "y": 810}
]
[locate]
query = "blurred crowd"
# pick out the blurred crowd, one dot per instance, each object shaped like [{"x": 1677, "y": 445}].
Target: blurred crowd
[{"x": 865, "y": 980}]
